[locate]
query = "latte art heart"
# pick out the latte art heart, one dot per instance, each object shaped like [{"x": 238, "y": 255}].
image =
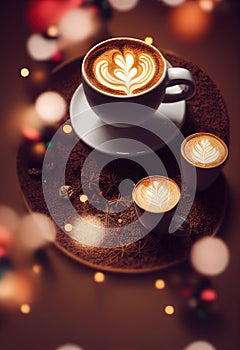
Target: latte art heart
[
  {"x": 124, "y": 67},
  {"x": 125, "y": 72}
]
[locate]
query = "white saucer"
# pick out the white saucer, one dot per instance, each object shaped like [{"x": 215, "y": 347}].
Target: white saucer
[{"x": 152, "y": 135}]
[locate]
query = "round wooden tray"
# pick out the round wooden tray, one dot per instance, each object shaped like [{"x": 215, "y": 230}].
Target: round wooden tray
[{"x": 206, "y": 111}]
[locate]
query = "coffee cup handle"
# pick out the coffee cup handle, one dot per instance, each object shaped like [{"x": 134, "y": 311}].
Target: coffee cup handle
[{"x": 179, "y": 76}]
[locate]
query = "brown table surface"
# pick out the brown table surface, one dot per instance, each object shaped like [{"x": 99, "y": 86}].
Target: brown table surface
[{"x": 125, "y": 312}]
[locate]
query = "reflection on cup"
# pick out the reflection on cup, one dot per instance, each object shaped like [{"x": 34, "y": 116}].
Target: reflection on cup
[
  {"x": 205, "y": 152},
  {"x": 155, "y": 199},
  {"x": 131, "y": 71}
]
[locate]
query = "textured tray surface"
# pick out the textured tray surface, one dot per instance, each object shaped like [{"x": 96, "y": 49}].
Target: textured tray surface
[{"x": 206, "y": 111}]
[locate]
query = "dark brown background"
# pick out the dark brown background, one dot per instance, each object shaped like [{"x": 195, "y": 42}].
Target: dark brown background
[{"x": 125, "y": 312}]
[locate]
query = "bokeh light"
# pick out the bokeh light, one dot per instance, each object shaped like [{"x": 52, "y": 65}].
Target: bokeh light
[
  {"x": 57, "y": 56},
  {"x": 36, "y": 269},
  {"x": 5, "y": 241},
  {"x": 83, "y": 198},
  {"x": 39, "y": 75},
  {"x": 169, "y": 310},
  {"x": 68, "y": 227},
  {"x": 53, "y": 31},
  {"x": 200, "y": 345},
  {"x": 78, "y": 25},
  {"x": 30, "y": 133},
  {"x": 41, "y": 14},
  {"x": 35, "y": 231},
  {"x": 192, "y": 303},
  {"x": 159, "y": 284},
  {"x": 99, "y": 277},
  {"x": 39, "y": 149},
  {"x": 24, "y": 72},
  {"x": 69, "y": 347},
  {"x": 173, "y": 2},
  {"x": 3, "y": 252},
  {"x": 51, "y": 107},
  {"x": 67, "y": 129},
  {"x": 30, "y": 124},
  {"x": 208, "y": 295},
  {"x": 207, "y": 5},
  {"x": 210, "y": 256},
  {"x": 16, "y": 288},
  {"x": 123, "y": 5},
  {"x": 186, "y": 292},
  {"x": 25, "y": 309},
  {"x": 41, "y": 49},
  {"x": 9, "y": 219},
  {"x": 148, "y": 40},
  {"x": 189, "y": 22}
]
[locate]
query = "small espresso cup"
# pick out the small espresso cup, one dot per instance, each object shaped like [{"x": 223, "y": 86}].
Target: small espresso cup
[
  {"x": 130, "y": 72},
  {"x": 155, "y": 199},
  {"x": 203, "y": 155}
]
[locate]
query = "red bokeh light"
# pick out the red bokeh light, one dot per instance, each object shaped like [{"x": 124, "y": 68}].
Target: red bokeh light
[
  {"x": 40, "y": 14},
  {"x": 30, "y": 133},
  {"x": 208, "y": 295}
]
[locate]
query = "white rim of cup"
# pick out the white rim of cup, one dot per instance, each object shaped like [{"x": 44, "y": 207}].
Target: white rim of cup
[
  {"x": 124, "y": 96},
  {"x": 154, "y": 176},
  {"x": 198, "y": 134}
]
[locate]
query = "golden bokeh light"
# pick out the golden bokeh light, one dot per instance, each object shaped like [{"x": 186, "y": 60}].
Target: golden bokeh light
[
  {"x": 36, "y": 269},
  {"x": 159, "y": 284},
  {"x": 53, "y": 31},
  {"x": 67, "y": 129},
  {"x": 25, "y": 309},
  {"x": 83, "y": 198},
  {"x": 99, "y": 277},
  {"x": 39, "y": 148},
  {"x": 148, "y": 40},
  {"x": 189, "y": 22},
  {"x": 24, "y": 72},
  {"x": 68, "y": 227},
  {"x": 169, "y": 310}
]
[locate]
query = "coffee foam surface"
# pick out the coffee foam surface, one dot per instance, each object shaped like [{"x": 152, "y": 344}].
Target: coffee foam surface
[
  {"x": 124, "y": 67},
  {"x": 157, "y": 194},
  {"x": 205, "y": 150}
]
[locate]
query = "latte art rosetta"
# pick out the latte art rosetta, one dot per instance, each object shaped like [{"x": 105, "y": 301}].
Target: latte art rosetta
[
  {"x": 156, "y": 195},
  {"x": 204, "y": 152},
  {"x": 125, "y": 72}
]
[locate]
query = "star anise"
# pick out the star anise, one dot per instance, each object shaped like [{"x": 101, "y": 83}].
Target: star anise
[
  {"x": 121, "y": 252},
  {"x": 91, "y": 181},
  {"x": 143, "y": 247},
  {"x": 109, "y": 183}
]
